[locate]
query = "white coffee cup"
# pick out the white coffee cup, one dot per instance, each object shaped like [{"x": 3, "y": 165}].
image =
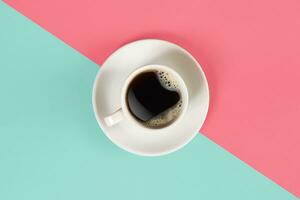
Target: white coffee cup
[
  {"x": 111, "y": 87},
  {"x": 123, "y": 111}
]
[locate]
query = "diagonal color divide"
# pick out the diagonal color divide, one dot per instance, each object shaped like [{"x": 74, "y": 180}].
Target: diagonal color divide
[
  {"x": 249, "y": 51},
  {"x": 52, "y": 148}
]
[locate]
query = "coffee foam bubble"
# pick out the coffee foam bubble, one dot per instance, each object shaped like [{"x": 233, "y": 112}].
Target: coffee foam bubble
[
  {"x": 167, "y": 81},
  {"x": 165, "y": 118}
]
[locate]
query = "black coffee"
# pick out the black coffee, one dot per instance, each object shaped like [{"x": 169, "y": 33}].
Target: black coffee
[{"x": 154, "y": 99}]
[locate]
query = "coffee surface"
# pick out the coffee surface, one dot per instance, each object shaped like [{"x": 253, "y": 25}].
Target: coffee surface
[{"x": 154, "y": 98}]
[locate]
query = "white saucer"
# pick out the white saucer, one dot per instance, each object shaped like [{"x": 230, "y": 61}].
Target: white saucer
[{"x": 107, "y": 96}]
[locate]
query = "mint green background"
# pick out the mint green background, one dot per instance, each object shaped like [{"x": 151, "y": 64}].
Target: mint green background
[{"x": 52, "y": 148}]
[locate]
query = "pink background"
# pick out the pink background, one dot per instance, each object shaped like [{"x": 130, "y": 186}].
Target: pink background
[{"x": 249, "y": 50}]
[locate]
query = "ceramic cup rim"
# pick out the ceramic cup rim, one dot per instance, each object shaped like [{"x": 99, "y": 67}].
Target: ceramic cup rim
[{"x": 152, "y": 67}]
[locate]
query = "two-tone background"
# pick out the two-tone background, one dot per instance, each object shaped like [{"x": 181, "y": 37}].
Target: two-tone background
[{"x": 52, "y": 148}]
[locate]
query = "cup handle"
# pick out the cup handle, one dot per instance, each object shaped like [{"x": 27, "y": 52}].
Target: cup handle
[{"x": 114, "y": 118}]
